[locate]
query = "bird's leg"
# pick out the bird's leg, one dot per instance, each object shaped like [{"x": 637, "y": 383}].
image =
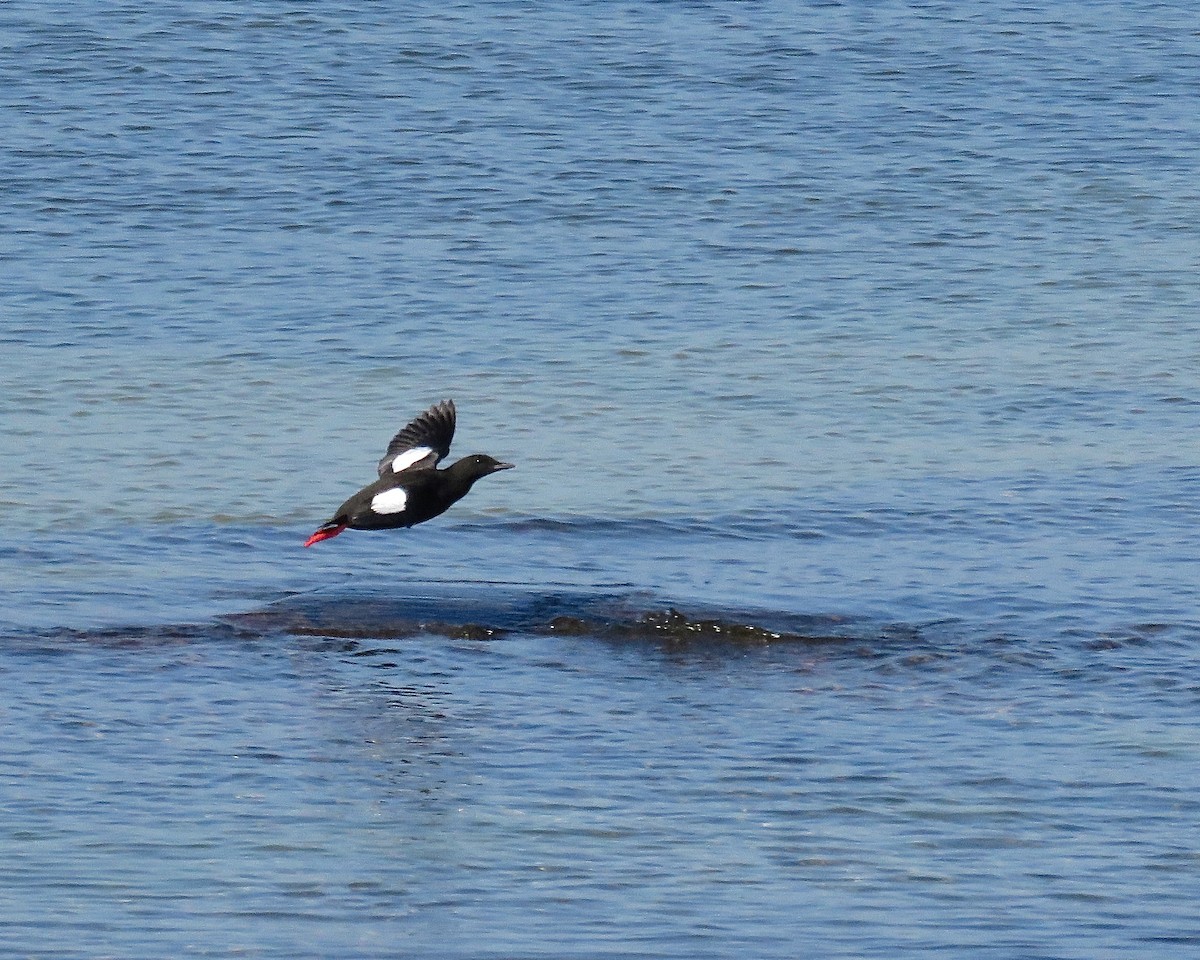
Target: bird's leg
[{"x": 325, "y": 531}]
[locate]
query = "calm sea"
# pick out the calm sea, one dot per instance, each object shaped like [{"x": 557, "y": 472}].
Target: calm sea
[{"x": 843, "y": 602}]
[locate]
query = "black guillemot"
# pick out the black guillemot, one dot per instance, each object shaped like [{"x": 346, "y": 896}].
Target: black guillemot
[{"x": 410, "y": 488}]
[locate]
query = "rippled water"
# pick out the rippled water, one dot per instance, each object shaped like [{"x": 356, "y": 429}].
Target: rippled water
[{"x": 843, "y": 600}]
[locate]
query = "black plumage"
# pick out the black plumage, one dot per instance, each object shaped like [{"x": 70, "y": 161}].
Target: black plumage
[{"x": 411, "y": 489}]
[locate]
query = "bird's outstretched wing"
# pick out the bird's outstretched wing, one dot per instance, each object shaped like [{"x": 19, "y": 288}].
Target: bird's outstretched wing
[{"x": 423, "y": 443}]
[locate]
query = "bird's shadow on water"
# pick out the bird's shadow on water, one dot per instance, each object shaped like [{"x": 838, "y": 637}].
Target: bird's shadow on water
[{"x": 487, "y": 610}]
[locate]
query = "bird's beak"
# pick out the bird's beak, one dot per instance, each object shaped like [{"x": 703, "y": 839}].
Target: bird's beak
[{"x": 502, "y": 466}]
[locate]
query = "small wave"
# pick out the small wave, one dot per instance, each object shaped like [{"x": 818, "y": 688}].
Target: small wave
[
  {"x": 736, "y": 526},
  {"x": 638, "y": 526},
  {"x": 673, "y": 627}
]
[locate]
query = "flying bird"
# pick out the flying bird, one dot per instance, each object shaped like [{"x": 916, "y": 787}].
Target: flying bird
[{"x": 411, "y": 489}]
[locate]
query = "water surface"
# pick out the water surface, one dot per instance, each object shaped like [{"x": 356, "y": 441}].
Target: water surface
[{"x": 871, "y": 327}]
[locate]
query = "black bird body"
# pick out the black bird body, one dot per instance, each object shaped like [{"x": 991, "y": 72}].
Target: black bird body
[
  {"x": 428, "y": 492},
  {"x": 411, "y": 489}
]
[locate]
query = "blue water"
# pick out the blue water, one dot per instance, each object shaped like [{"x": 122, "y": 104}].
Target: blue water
[{"x": 873, "y": 326}]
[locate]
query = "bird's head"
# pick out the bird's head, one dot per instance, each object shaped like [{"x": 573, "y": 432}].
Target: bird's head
[{"x": 479, "y": 465}]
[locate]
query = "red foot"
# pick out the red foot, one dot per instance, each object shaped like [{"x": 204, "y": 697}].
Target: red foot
[{"x": 324, "y": 534}]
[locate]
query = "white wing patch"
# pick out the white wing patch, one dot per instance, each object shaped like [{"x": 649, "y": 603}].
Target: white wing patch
[
  {"x": 390, "y": 501},
  {"x": 406, "y": 459}
]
